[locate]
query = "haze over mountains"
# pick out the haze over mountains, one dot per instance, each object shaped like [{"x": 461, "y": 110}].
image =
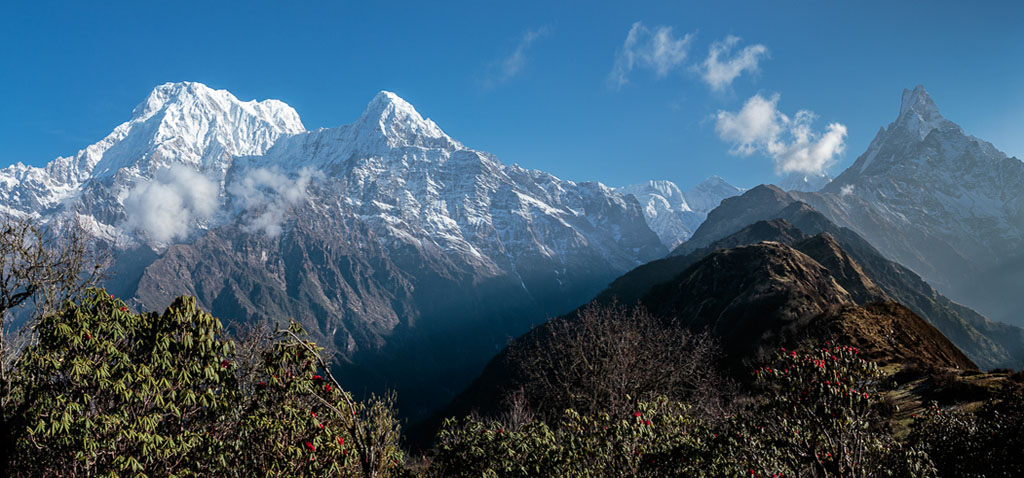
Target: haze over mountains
[{"x": 390, "y": 241}]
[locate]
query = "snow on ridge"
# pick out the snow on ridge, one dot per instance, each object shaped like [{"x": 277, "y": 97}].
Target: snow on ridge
[{"x": 393, "y": 168}]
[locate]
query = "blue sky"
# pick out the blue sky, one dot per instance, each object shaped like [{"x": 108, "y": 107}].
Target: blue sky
[{"x": 536, "y": 83}]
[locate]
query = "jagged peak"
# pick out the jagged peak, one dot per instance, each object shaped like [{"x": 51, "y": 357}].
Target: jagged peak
[
  {"x": 387, "y": 102},
  {"x": 918, "y": 101},
  {"x": 395, "y": 118},
  {"x": 183, "y": 93},
  {"x": 919, "y": 114},
  {"x": 662, "y": 187}
]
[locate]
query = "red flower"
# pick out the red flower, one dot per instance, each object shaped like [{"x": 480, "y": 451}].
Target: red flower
[
  {"x": 327, "y": 387},
  {"x": 310, "y": 446},
  {"x": 637, "y": 414},
  {"x": 317, "y": 377},
  {"x": 341, "y": 441},
  {"x": 313, "y": 413},
  {"x": 124, "y": 309},
  {"x": 224, "y": 363},
  {"x": 111, "y": 296},
  {"x": 261, "y": 384}
]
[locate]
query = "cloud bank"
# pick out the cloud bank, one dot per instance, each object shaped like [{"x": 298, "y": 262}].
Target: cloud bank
[
  {"x": 720, "y": 69},
  {"x": 760, "y": 127},
  {"x": 166, "y": 207},
  {"x": 265, "y": 196},
  {"x": 656, "y": 49}
]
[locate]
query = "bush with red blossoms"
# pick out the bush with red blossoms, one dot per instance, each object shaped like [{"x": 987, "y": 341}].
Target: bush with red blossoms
[
  {"x": 816, "y": 416},
  {"x": 107, "y": 392}
]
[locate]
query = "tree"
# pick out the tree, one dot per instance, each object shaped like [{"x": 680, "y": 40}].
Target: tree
[{"x": 607, "y": 356}]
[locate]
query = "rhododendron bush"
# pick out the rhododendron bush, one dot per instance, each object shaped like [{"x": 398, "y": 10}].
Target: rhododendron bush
[{"x": 105, "y": 391}]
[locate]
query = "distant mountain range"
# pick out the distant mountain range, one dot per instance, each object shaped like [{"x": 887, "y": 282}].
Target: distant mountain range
[{"x": 674, "y": 215}]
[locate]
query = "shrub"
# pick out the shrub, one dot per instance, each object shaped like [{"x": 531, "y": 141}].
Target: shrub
[
  {"x": 981, "y": 443},
  {"x": 104, "y": 391},
  {"x": 817, "y": 417},
  {"x": 580, "y": 445}
]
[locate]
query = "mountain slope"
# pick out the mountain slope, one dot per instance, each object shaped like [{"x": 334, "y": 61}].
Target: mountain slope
[
  {"x": 754, "y": 299},
  {"x": 769, "y": 294},
  {"x": 990, "y": 344}
]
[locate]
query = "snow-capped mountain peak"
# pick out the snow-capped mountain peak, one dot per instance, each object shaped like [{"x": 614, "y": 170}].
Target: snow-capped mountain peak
[
  {"x": 397, "y": 121},
  {"x": 194, "y": 97},
  {"x": 919, "y": 114},
  {"x": 178, "y": 124},
  {"x": 190, "y": 123},
  {"x": 672, "y": 214},
  {"x": 942, "y": 202}
]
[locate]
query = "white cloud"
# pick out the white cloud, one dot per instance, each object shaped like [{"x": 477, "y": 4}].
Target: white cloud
[
  {"x": 168, "y": 206},
  {"x": 760, "y": 127},
  {"x": 754, "y": 126},
  {"x": 265, "y": 195},
  {"x": 846, "y": 190},
  {"x": 510, "y": 66},
  {"x": 719, "y": 69},
  {"x": 656, "y": 49}
]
